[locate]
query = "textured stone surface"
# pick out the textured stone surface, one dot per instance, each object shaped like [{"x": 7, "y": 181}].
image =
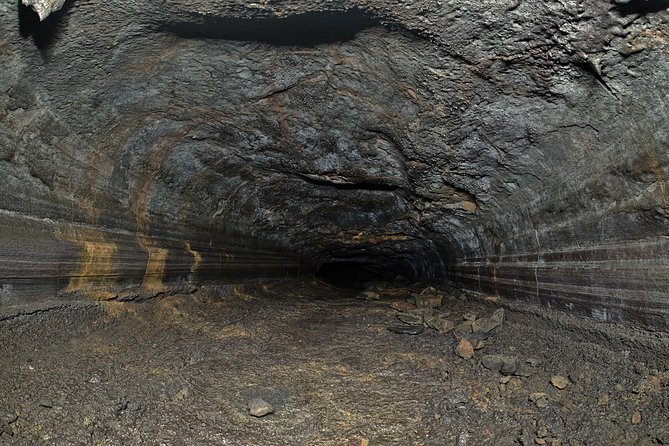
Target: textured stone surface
[{"x": 512, "y": 147}]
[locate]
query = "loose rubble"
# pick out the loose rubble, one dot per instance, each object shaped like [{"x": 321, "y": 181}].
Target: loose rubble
[{"x": 334, "y": 374}]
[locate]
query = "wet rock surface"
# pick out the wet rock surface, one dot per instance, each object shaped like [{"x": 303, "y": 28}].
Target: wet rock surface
[{"x": 183, "y": 369}]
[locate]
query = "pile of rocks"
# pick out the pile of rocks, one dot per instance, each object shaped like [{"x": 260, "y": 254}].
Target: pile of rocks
[{"x": 424, "y": 310}]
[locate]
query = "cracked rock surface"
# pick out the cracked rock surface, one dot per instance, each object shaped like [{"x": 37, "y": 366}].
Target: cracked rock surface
[{"x": 516, "y": 148}]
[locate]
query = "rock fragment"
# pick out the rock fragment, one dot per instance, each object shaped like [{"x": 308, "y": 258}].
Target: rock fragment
[
  {"x": 369, "y": 295},
  {"x": 410, "y": 319},
  {"x": 533, "y": 362},
  {"x": 439, "y": 323},
  {"x": 406, "y": 329},
  {"x": 464, "y": 349},
  {"x": 560, "y": 382},
  {"x": 540, "y": 399},
  {"x": 258, "y": 407},
  {"x": 523, "y": 371},
  {"x": 636, "y": 418},
  {"x": 429, "y": 297},
  {"x": 402, "y": 305},
  {"x": 507, "y": 365},
  {"x": 463, "y": 329},
  {"x": 488, "y": 324}
]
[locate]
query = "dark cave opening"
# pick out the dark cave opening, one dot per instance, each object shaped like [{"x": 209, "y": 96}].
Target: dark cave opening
[{"x": 350, "y": 274}]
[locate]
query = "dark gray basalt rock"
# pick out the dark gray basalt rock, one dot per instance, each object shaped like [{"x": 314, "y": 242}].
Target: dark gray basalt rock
[{"x": 514, "y": 148}]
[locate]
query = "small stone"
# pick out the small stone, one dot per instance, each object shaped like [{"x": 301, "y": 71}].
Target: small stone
[
  {"x": 556, "y": 442},
  {"x": 402, "y": 305},
  {"x": 542, "y": 432},
  {"x": 484, "y": 325},
  {"x": 493, "y": 362},
  {"x": 377, "y": 286},
  {"x": 369, "y": 295},
  {"x": 469, "y": 316},
  {"x": 541, "y": 404},
  {"x": 560, "y": 382},
  {"x": 464, "y": 349},
  {"x": 603, "y": 400},
  {"x": 636, "y": 418},
  {"x": 479, "y": 344},
  {"x": 523, "y": 371},
  {"x": 439, "y": 323},
  {"x": 533, "y": 362},
  {"x": 505, "y": 379},
  {"x": 258, "y": 407},
  {"x": 456, "y": 397},
  {"x": 463, "y": 329},
  {"x": 507, "y": 365},
  {"x": 406, "y": 329},
  {"x": 540, "y": 441},
  {"x": 429, "y": 291},
  {"x": 540, "y": 399},
  {"x": 510, "y": 366},
  {"x": 445, "y": 325},
  {"x": 429, "y": 297},
  {"x": 619, "y": 387},
  {"x": 429, "y": 301},
  {"x": 488, "y": 324},
  {"x": 410, "y": 319}
]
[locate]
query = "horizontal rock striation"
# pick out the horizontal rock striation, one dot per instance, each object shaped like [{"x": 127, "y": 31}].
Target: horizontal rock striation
[{"x": 516, "y": 148}]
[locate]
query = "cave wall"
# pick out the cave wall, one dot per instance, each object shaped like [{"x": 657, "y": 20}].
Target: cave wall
[{"x": 512, "y": 147}]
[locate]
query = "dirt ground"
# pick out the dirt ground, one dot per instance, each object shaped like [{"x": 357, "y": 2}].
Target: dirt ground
[{"x": 179, "y": 370}]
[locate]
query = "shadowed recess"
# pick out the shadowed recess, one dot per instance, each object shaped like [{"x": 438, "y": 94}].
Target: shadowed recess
[{"x": 308, "y": 29}]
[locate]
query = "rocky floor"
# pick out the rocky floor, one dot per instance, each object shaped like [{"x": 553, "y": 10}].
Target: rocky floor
[{"x": 337, "y": 367}]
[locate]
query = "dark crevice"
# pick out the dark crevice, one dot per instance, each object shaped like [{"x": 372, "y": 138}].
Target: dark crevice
[
  {"x": 308, "y": 29},
  {"x": 642, "y": 7},
  {"x": 594, "y": 72},
  {"x": 363, "y": 185}
]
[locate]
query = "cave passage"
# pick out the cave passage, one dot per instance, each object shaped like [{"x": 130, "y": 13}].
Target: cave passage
[
  {"x": 352, "y": 274},
  {"x": 350, "y": 223}
]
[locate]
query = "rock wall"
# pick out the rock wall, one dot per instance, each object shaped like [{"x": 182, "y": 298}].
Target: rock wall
[{"x": 511, "y": 147}]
